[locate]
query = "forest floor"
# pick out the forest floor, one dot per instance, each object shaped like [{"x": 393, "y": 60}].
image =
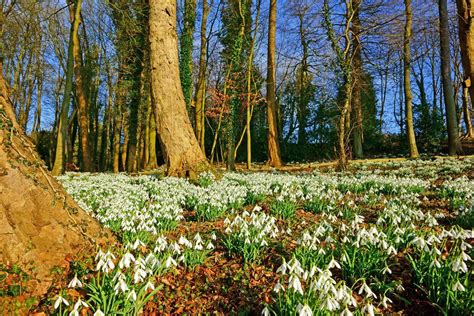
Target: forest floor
[{"x": 388, "y": 236}]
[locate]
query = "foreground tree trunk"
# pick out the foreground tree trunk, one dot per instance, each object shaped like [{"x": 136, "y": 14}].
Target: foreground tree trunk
[
  {"x": 274, "y": 158},
  {"x": 40, "y": 225},
  {"x": 454, "y": 145},
  {"x": 407, "y": 82},
  {"x": 180, "y": 147},
  {"x": 466, "y": 41}
]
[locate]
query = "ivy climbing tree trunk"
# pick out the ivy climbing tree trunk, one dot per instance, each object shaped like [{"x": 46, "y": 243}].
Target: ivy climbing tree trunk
[
  {"x": 180, "y": 147},
  {"x": 200, "y": 101},
  {"x": 186, "y": 50},
  {"x": 454, "y": 145},
  {"x": 407, "y": 82},
  {"x": 274, "y": 158}
]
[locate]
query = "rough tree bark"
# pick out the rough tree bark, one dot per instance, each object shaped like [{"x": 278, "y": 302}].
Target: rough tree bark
[
  {"x": 180, "y": 147},
  {"x": 274, "y": 158},
  {"x": 454, "y": 145},
  {"x": 407, "y": 82},
  {"x": 40, "y": 225}
]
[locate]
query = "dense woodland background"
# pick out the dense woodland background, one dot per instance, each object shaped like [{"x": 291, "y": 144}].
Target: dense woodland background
[{"x": 331, "y": 79}]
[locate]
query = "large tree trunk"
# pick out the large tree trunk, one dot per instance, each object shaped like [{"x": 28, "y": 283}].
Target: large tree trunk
[
  {"x": 454, "y": 145},
  {"x": 40, "y": 225},
  {"x": 467, "y": 113},
  {"x": 180, "y": 147},
  {"x": 466, "y": 39},
  {"x": 274, "y": 158},
  {"x": 407, "y": 82}
]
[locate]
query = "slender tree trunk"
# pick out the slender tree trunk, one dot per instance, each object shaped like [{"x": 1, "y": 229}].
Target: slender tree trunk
[
  {"x": 274, "y": 157},
  {"x": 357, "y": 74},
  {"x": 59, "y": 161},
  {"x": 82, "y": 102},
  {"x": 465, "y": 10},
  {"x": 200, "y": 101},
  {"x": 186, "y": 50},
  {"x": 454, "y": 145},
  {"x": 180, "y": 147},
  {"x": 407, "y": 82},
  {"x": 152, "y": 162}
]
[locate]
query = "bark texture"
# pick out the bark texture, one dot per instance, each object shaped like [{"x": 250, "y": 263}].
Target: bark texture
[
  {"x": 41, "y": 226},
  {"x": 180, "y": 147},
  {"x": 274, "y": 158}
]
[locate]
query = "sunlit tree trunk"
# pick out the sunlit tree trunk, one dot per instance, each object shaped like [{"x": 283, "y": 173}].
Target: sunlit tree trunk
[
  {"x": 274, "y": 158},
  {"x": 357, "y": 75},
  {"x": 82, "y": 101},
  {"x": 59, "y": 161},
  {"x": 467, "y": 113},
  {"x": 180, "y": 147},
  {"x": 407, "y": 82}
]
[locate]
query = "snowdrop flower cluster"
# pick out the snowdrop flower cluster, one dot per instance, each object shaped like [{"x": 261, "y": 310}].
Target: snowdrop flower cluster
[{"x": 304, "y": 291}]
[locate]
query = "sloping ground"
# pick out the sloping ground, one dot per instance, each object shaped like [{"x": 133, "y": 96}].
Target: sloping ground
[{"x": 41, "y": 228}]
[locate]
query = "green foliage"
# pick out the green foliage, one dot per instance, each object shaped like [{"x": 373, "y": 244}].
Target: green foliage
[{"x": 283, "y": 209}]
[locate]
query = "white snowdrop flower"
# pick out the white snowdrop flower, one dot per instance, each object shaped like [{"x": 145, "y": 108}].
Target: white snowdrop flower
[
  {"x": 198, "y": 238},
  {"x": 213, "y": 236},
  {"x": 126, "y": 260},
  {"x": 386, "y": 270},
  {"x": 138, "y": 243},
  {"x": 228, "y": 230},
  {"x": 198, "y": 246},
  {"x": 278, "y": 287},
  {"x": 282, "y": 269},
  {"x": 210, "y": 246},
  {"x": 170, "y": 261},
  {"x": 458, "y": 287},
  {"x": 305, "y": 311},
  {"x": 331, "y": 304},
  {"x": 333, "y": 263},
  {"x": 60, "y": 301},
  {"x": 391, "y": 250},
  {"x": 79, "y": 304},
  {"x": 266, "y": 311},
  {"x": 75, "y": 282},
  {"x": 346, "y": 312},
  {"x": 149, "y": 286},
  {"x": 386, "y": 301},
  {"x": 139, "y": 275},
  {"x": 365, "y": 288},
  {"x": 295, "y": 283},
  {"x": 226, "y": 221},
  {"x": 74, "y": 312},
  {"x": 257, "y": 208},
  {"x": 247, "y": 241},
  {"x": 183, "y": 241},
  {"x": 120, "y": 285},
  {"x": 99, "y": 313},
  {"x": 369, "y": 309},
  {"x": 132, "y": 295},
  {"x": 435, "y": 263},
  {"x": 263, "y": 243}
]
